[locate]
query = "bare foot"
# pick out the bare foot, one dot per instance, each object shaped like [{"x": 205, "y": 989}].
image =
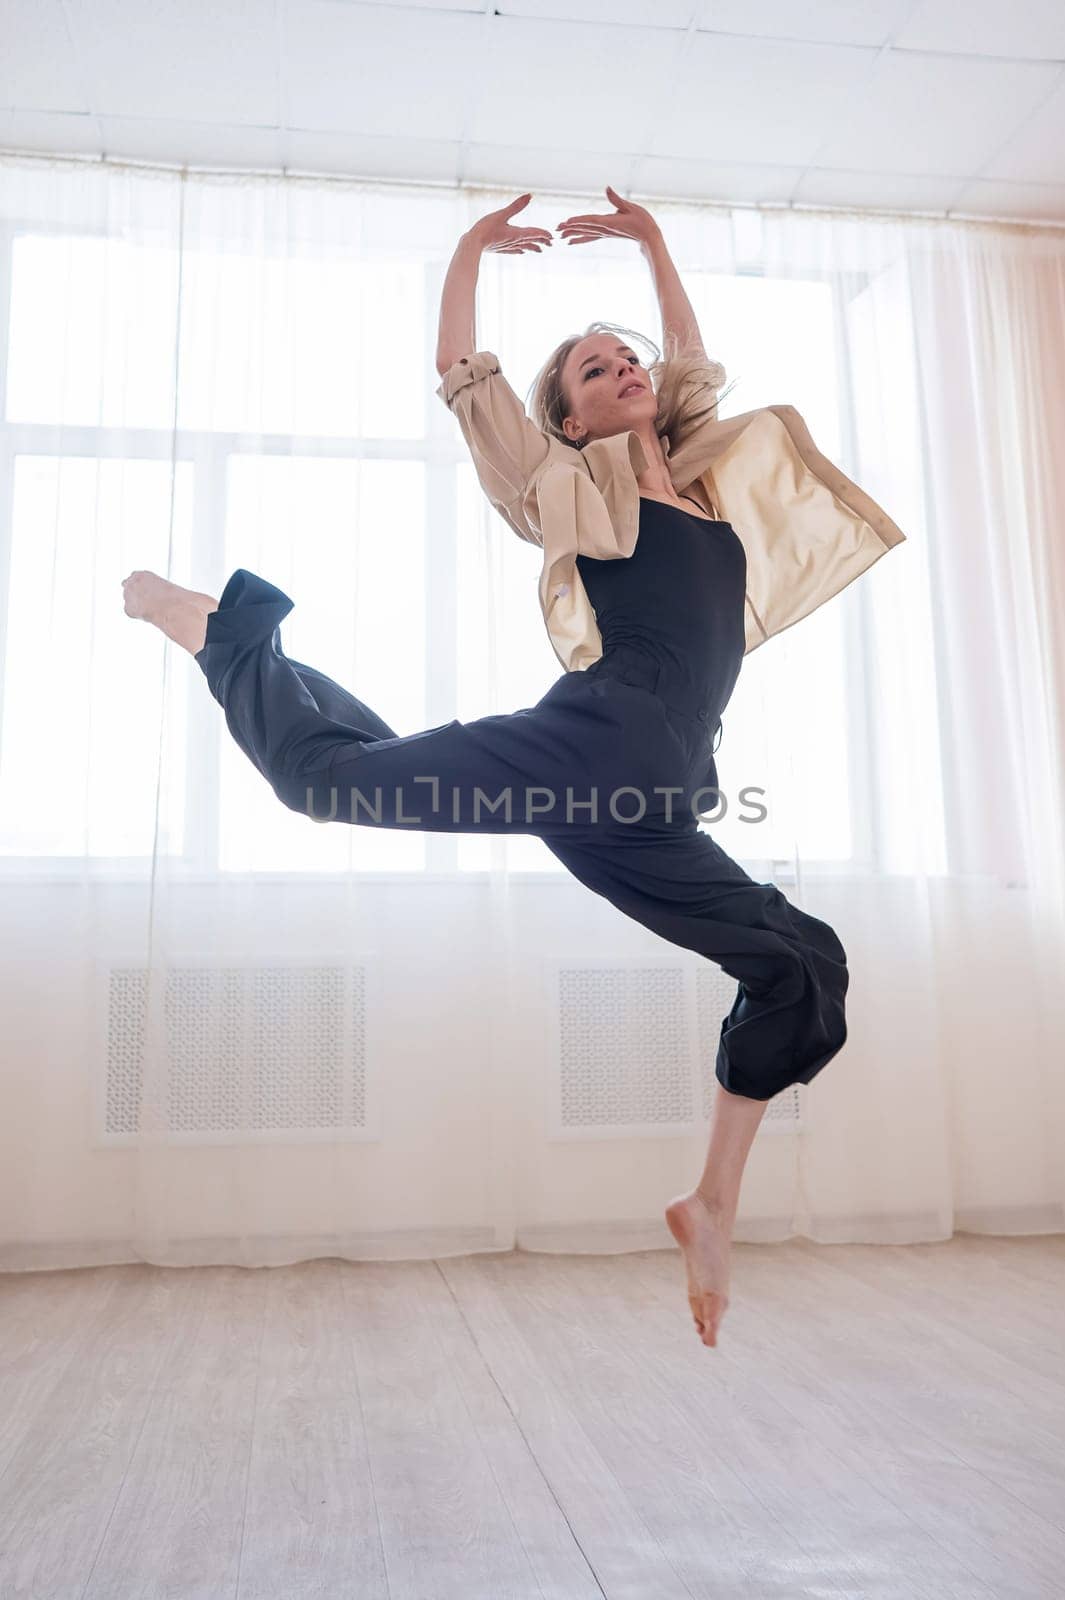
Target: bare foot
[
  {"x": 180, "y": 613},
  {"x": 705, "y": 1238}
]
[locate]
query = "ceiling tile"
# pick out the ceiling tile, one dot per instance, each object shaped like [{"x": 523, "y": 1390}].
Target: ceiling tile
[
  {"x": 364, "y": 156},
  {"x": 757, "y": 100},
  {"x": 713, "y": 180},
  {"x": 194, "y": 144},
  {"x": 558, "y": 171},
  {"x": 1031, "y": 201},
  {"x": 53, "y": 131},
  {"x": 39, "y": 68},
  {"x": 199, "y": 60},
  {"x": 474, "y": 7},
  {"x": 934, "y": 114},
  {"x": 571, "y": 86},
  {"x": 1036, "y": 152},
  {"x": 1034, "y": 29},
  {"x": 869, "y": 22},
  {"x": 885, "y": 191},
  {"x": 671, "y": 14},
  {"x": 381, "y": 69}
]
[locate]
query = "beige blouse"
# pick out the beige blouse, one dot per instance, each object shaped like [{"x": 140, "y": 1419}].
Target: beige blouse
[{"x": 808, "y": 531}]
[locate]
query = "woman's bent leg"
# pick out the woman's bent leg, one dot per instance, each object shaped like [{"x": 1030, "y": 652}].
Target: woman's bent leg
[
  {"x": 786, "y": 1023},
  {"x": 788, "y": 1018}
]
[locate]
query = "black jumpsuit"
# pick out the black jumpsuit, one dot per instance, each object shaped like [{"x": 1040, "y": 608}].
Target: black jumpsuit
[{"x": 612, "y": 768}]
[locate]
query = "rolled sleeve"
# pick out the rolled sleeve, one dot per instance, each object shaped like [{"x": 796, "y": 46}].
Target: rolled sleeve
[
  {"x": 505, "y": 444},
  {"x": 466, "y": 370}
]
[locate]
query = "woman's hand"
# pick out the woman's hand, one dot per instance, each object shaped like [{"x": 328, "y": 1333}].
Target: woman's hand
[
  {"x": 628, "y": 221},
  {"x": 495, "y": 232}
]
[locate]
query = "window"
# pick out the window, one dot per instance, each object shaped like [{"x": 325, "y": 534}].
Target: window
[{"x": 306, "y": 444}]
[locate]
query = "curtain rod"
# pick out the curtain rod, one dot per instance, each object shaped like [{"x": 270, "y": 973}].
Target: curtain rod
[{"x": 975, "y": 220}]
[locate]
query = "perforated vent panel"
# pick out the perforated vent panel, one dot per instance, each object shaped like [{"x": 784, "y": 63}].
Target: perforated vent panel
[
  {"x": 249, "y": 1050},
  {"x": 636, "y": 1047},
  {"x": 624, "y": 1053}
]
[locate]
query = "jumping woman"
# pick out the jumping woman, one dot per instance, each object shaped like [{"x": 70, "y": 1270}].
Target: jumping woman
[{"x": 627, "y": 480}]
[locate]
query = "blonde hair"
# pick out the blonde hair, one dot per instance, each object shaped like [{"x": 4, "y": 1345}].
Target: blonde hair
[{"x": 686, "y": 383}]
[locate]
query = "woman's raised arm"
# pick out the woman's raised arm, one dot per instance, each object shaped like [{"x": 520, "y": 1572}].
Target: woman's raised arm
[
  {"x": 675, "y": 309},
  {"x": 458, "y": 334},
  {"x": 506, "y": 445}
]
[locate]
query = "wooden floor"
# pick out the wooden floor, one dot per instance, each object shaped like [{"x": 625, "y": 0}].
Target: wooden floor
[{"x": 876, "y": 1421}]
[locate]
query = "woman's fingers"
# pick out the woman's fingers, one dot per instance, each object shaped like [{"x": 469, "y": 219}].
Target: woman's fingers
[
  {"x": 515, "y": 240},
  {"x": 543, "y": 234}
]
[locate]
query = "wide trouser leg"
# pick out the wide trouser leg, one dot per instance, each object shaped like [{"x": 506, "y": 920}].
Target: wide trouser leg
[
  {"x": 788, "y": 1018},
  {"x": 329, "y": 755}
]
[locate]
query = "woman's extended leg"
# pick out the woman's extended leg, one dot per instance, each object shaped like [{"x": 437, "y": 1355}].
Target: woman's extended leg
[{"x": 331, "y": 757}]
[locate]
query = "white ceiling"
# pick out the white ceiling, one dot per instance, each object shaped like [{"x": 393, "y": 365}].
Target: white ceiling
[{"x": 927, "y": 105}]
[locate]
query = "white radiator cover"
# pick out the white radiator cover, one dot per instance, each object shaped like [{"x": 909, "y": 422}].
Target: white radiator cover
[
  {"x": 633, "y": 1045},
  {"x": 254, "y": 1052}
]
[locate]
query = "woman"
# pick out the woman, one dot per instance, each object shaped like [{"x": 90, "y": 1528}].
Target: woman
[{"x": 612, "y": 767}]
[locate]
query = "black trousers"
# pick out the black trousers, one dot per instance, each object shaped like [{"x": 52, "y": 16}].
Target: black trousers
[{"x": 612, "y": 768}]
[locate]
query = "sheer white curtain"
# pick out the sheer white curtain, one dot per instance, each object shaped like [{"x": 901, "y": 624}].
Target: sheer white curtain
[{"x": 232, "y": 1035}]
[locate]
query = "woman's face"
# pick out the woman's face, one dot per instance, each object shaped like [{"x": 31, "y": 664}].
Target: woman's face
[{"x": 599, "y": 383}]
